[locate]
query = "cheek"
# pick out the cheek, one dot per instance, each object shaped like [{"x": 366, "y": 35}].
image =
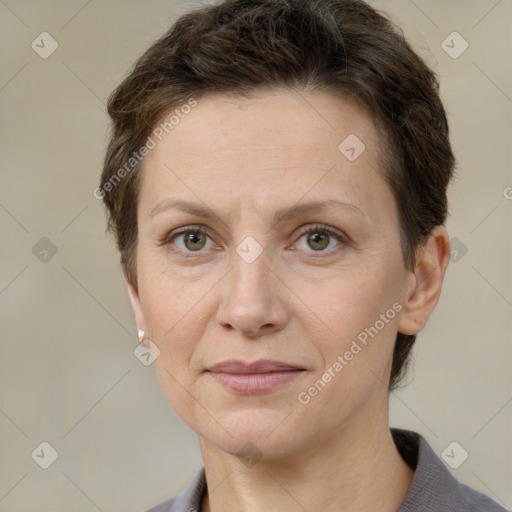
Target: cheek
[
  {"x": 176, "y": 319},
  {"x": 359, "y": 314},
  {"x": 351, "y": 301},
  {"x": 174, "y": 310},
  {"x": 171, "y": 302},
  {"x": 356, "y": 358}
]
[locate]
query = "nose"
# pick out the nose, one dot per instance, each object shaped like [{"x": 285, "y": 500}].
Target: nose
[{"x": 255, "y": 299}]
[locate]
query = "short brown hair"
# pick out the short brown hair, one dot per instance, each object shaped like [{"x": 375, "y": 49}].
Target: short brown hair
[{"x": 243, "y": 46}]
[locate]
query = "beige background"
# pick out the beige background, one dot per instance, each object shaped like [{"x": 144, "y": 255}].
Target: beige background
[{"x": 68, "y": 373}]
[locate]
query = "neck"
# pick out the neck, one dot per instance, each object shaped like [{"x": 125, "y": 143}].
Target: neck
[{"x": 357, "y": 469}]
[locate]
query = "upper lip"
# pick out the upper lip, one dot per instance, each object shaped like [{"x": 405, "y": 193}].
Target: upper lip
[{"x": 261, "y": 366}]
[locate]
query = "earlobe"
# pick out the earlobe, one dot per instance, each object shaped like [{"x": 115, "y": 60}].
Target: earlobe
[
  {"x": 427, "y": 281},
  {"x": 133, "y": 294}
]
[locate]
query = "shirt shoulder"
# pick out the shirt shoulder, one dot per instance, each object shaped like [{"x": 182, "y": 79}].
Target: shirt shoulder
[
  {"x": 163, "y": 506},
  {"x": 433, "y": 486}
]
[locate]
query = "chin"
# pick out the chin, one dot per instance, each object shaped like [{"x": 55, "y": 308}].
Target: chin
[
  {"x": 257, "y": 433},
  {"x": 250, "y": 446}
]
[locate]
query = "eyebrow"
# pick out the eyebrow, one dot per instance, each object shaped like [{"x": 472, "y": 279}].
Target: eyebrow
[{"x": 280, "y": 216}]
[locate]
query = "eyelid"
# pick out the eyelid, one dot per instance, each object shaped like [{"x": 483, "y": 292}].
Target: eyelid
[
  {"x": 311, "y": 227},
  {"x": 170, "y": 235}
]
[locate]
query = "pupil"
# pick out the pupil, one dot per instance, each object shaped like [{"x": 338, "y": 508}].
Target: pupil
[
  {"x": 193, "y": 238},
  {"x": 315, "y": 239}
]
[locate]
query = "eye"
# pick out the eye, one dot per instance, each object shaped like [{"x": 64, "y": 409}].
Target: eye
[
  {"x": 192, "y": 239},
  {"x": 319, "y": 238}
]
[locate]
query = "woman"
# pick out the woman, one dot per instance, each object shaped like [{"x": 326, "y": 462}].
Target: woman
[{"x": 276, "y": 181}]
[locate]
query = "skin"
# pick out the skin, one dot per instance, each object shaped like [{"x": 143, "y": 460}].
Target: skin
[{"x": 296, "y": 302}]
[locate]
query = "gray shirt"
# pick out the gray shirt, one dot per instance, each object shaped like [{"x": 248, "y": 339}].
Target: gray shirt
[{"x": 433, "y": 488}]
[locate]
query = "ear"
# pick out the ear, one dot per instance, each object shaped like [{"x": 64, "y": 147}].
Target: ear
[
  {"x": 133, "y": 293},
  {"x": 426, "y": 282}
]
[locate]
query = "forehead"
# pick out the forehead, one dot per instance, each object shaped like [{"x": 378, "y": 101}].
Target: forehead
[
  {"x": 273, "y": 143},
  {"x": 277, "y": 119}
]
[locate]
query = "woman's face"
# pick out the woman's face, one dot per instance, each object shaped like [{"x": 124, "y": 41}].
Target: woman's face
[{"x": 317, "y": 289}]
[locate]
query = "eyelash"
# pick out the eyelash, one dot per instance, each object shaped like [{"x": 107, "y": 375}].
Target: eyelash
[{"x": 168, "y": 239}]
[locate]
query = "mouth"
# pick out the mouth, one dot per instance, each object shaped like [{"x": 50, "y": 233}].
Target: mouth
[{"x": 256, "y": 377}]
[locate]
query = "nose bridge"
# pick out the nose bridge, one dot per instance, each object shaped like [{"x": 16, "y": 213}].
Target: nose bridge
[
  {"x": 250, "y": 286},
  {"x": 252, "y": 298},
  {"x": 250, "y": 276}
]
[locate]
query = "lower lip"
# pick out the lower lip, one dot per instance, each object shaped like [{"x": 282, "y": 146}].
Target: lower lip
[{"x": 252, "y": 383}]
